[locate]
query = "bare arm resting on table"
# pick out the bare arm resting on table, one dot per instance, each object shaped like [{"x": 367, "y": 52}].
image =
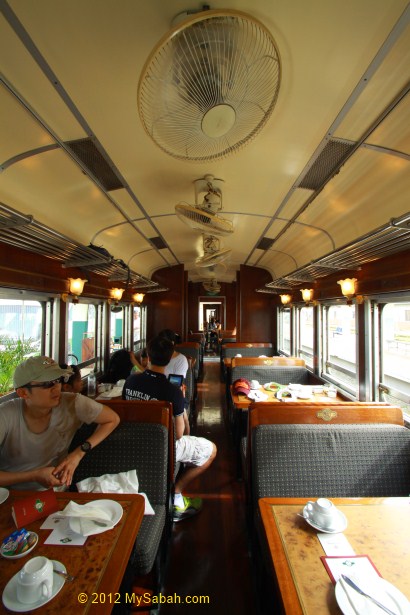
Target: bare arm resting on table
[{"x": 50, "y": 476}]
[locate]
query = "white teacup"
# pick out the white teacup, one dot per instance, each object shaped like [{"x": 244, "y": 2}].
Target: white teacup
[
  {"x": 35, "y": 580},
  {"x": 322, "y": 512},
  {"x": 255, "y": 384}
]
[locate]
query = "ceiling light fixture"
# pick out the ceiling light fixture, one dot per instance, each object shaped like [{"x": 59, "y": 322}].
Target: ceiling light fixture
[
  {"x": 286, "y": 299},
  {"x": 75, "y": 289},
  {"x": 348, "y": 287},
  {"x": 307, "y": 295},
  {"x": 138, "y": 298},
  {"x": 116, "y": 295}
]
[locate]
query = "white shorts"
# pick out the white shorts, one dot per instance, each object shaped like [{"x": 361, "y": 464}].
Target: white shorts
[{"x": 192, "y": 450}]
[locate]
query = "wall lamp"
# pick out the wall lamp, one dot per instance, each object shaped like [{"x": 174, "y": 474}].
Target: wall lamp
[
  {"x": 116, "y": 295},
  {"x": 75, "y": 288},
  {"x": 286, "y": 299},
  {"x": 138, "y": 298},
  {"x": 348, "y": 288},
  {"x": 307, "y": 295}
]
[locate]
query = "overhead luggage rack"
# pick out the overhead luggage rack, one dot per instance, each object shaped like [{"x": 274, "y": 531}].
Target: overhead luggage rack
[
  {"x": 384, "y": 241},
  {"x": 26, "y": 233}
]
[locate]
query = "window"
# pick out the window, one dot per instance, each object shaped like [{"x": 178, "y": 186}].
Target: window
[
  {"x": 339, "y": 346},
  {"x": 81, "y": 336},
  {"x": 284, "y": 338},
  {"x": 305, "y": 335},
  {"x": 116, "y": 328},
  {"x": 394, "y": 354},
  {"x": 21, "y": 326},
  {"x": 139, "y": 326}
]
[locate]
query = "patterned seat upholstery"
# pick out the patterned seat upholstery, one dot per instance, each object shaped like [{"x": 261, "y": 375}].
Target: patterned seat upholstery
[
  {"x": 144, "y": 447},
  {"x": 267, "y": 373},
  {"x": 330, "y": 461},
  {"x": 194, "y": 350},
  {"x": 246, "y": 350}
]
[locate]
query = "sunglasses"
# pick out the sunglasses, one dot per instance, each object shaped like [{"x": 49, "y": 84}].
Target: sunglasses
[{"x": 44, "y": 385}]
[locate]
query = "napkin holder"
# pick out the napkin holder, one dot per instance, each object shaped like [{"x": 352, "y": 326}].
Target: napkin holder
[{"x": 35, "y": 506}]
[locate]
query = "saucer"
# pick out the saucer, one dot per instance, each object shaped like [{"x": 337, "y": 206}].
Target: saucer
[
  {"x": 10, "y": 592},
  {"x": 352, "y": 603},
  {"x": 4, "y": 494},
  {"x": 24, "y": 552},
  {"x": 341, "y": 526}
]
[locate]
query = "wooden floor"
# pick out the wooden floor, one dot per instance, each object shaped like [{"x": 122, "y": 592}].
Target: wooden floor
[{"x": 209, "y": 553}]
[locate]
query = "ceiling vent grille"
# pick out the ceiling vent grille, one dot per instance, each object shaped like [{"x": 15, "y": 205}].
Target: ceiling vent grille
[
  {"x": 94, "y": 161},
  {"x": 265, "y": 244},
  {"x": 158, "y": 242},
  {"x": 327, "y": 164}
]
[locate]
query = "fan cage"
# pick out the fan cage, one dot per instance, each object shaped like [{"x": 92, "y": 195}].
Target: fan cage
[
  {"x": 202, "y": 220},
  {"x": 217, "y": 58}
]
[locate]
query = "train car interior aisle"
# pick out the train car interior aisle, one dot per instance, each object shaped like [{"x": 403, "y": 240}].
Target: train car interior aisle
[{"x": 211, "y": 549}]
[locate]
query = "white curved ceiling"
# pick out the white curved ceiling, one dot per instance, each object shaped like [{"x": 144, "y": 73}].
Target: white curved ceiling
[{"x": 71, "y": 69}]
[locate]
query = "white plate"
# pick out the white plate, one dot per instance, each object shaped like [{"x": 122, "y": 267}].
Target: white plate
[
  {"x": 10, "y": 592},
  {"x": 4, "y": 494},
  {"x": 111, "y": 507},
  {"x": 273, "y": 386},
  {"x": 387, "y": 594},
  {"x": 341, "y": 526},
  {"x": 21, "y": 554}
]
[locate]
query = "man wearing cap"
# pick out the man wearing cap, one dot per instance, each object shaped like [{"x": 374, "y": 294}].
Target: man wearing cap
[{"x": 36, "y": 429}]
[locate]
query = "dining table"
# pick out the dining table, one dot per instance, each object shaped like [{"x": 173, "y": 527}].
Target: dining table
[
  {"x": 98, "y": 566},
  {"x": 376, "y": 527}
]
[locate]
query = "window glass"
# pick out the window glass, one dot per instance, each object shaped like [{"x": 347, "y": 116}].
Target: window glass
[
  {"x": 395, "y": 355},
  {"x": 21, "y": 325},
  {"x": 138, "y": 329},
  {"x": 305, "y": 335},
  {"x": 116, "y": 328},
  {"x": 339, "y": 353},
  {"x": 81, "y": 334},
  {"x": 284, "y": 331}
]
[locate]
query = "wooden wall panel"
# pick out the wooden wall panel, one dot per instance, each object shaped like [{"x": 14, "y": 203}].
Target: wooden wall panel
[
  {"x": 256, "y": 309},
  {"x": 166, "y": 310}
]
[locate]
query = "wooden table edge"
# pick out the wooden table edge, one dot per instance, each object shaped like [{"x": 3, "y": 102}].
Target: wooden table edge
[{"x": 115, "y": 569}]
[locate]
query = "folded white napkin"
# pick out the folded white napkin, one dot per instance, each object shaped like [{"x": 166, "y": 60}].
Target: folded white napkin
[
  {"x": 258, "y": 396},
  {"x": 116, "y": 391},
  {"x": 87, "y": 517},
  {"x": 124, "y": 482}
]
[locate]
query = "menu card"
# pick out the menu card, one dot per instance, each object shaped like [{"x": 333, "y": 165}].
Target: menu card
[
  {"x": 359, "y": 565},
  {"x": 36, "y": 506}
]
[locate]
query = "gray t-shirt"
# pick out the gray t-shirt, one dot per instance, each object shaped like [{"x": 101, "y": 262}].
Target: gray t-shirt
[{"x": 21, "y": 449}]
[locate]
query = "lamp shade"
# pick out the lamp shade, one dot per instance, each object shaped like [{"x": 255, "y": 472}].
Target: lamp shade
[
  {"x": 76, "y": 286},
  {"x": 286, "y": 299},
  {"x": 116, "y": 293},
  {"x": 348, "y": 287},
  {"x": 307, "y": 294},
  {"x": 138, "y": 297}
]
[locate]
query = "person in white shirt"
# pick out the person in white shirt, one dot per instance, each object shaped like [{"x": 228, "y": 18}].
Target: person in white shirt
[
  {"x": 178, "y": 363},
  {"x": 36, "y": 429}
]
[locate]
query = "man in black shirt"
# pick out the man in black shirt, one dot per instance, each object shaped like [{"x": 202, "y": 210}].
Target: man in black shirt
[{"x": 196, "y": 454}]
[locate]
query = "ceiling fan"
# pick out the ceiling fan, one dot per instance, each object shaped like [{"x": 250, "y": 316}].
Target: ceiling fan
[
  {"x": 212, "y": 287},
  {"x": 202, "y": 216},
  {"x": 213, "y": 254},
  {"x": 210, "y": 85}
]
